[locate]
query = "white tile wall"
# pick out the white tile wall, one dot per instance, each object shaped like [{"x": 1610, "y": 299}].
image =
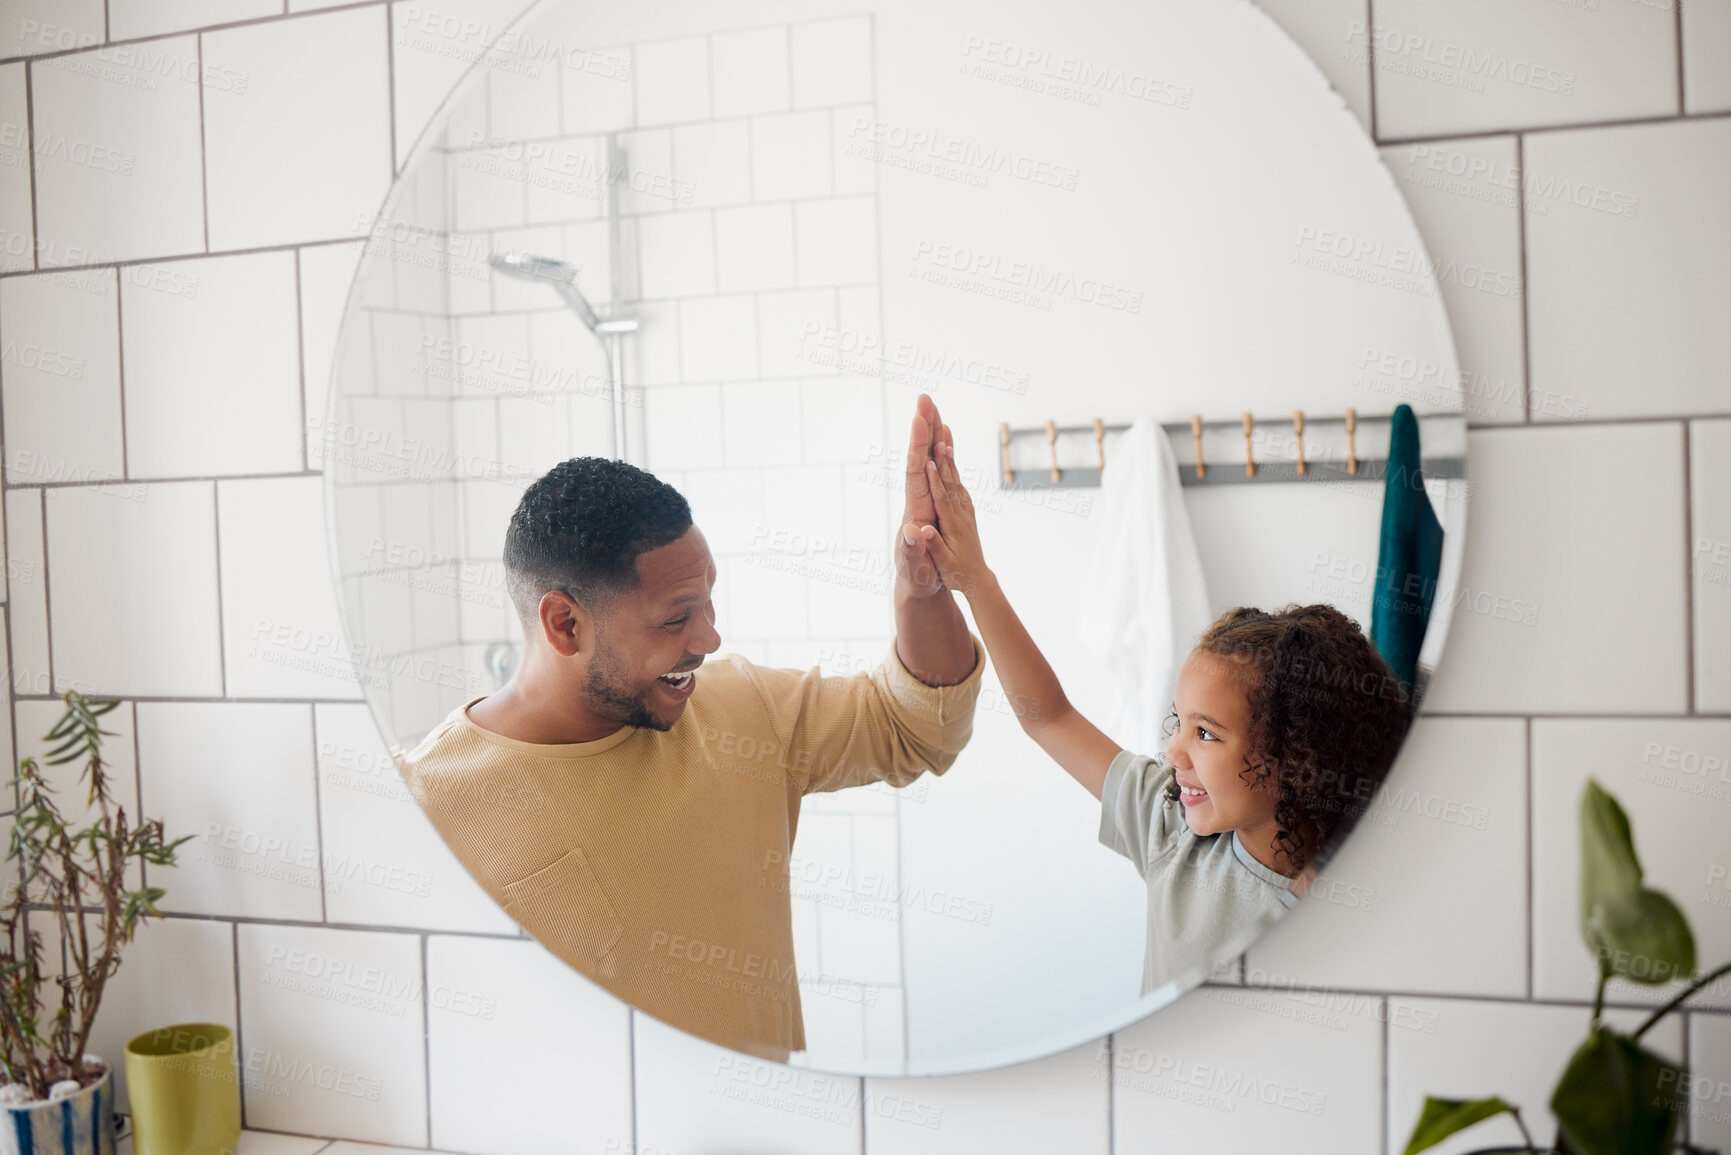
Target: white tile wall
[
  {"x": 1590, "y": 526},
  {"x": 239, "y": 778},
  {"x": 145, "y": 554},
  {"x": 1625, "y": 209},
  {"x": 1710, "y": 562},
  {"x": 301, "y": 149},
  {"x": 1453, "y": 66},
  {"x": 128, "y": 19},
  {"x": 62, "y": 384},
  {"x": 212, "y": 344},
  {"x": 135, "y": 119}
]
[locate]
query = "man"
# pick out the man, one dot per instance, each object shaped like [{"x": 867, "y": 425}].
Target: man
[{"x": 632, "y": 806}]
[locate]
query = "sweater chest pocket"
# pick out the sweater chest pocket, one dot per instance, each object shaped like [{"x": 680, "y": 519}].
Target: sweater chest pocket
[{"x": 563, "y": 906}]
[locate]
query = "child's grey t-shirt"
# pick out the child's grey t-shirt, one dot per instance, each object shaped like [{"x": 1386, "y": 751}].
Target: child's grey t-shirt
[{"x": 1208, "y": 898}]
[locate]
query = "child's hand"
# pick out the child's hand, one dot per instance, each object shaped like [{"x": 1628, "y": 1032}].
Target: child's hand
[{"x": 954, "y": 543}]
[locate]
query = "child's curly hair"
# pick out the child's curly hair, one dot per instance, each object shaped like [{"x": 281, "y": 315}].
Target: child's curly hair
[{"x": 1327, "y": 716}]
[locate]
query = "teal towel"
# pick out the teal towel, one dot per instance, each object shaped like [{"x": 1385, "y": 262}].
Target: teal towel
[{"x": 1410, "y": 555}]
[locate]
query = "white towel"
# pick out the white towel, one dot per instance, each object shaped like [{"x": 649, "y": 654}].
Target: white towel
[{"x": 1144, "y": 601}]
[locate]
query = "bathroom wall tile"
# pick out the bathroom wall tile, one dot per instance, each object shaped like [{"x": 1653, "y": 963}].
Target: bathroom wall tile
[
  {"x": 717, "y": 338},
  {"x": 649, "y": 184},
  {"x": 1332, "y": 33},
  {"x": 749, "y": 71},
  {"x": 677, "y": 254},
  {"x": 1453, "y": 814},
  {"x": 432, "y": 49},
  {"x": 791, "y": 328},
  {"x": 326, "y": 274},
  {"x": 509, "y": 1023},
  {"x": 132, "y": 116},
  {"x": 1479, "y": 65},
  {"x": 672, "y": 79},
  {"x": 222, "y": 358},
  {"x": 790, "y": 156},
  {"x": 653, "y": 358},
  {"x": 523, "y": 97},
  {"x": 714, "y": 159},
  {"x": 346, "y": 1002},
  {"x": 27, "y": 593},
  {"x": 1710, "y": 561},
  {"x": 598, "y": 96},
  {"x": 1057, "y": 1103},
  {"x": 1530, "y": 632},
  {"x": 1458, "y": 1049},
  {"x": 1629, "y": 286},
  {"x": 853, "y": 160},
  {"x": 1673, "y": 778},
  {"x": 488, "y": 190},
  {"x": 162, "y": 538},
  {"x": 61, "y": 370},
  {"x": 1466, "y": 199},
  {"x": 1710, "y": 1058},
  {"x": 384, "y": 863},
  {"x": 176, "y": 970},
  {"x": 682, "y": 421},
  {"x": 303, "y": 151},
  {"x": 282, "y": 635},
  {"x": 695, "y": 1096},
  {"x": 727, "y": 504},
  {"x": 760, "y": 423},
  {"x": 17, "y": 230},
  {"x": 566, "y": 180},
  {"x": 754, "y": 248},
  {"x": 842, "y": 420},
  {"x": 38, "y": 26},
  {"x": 1706, "y": 51},
  {"x": 276, "y": 1143},
  {"x": 832, "y": 62},
  {"x": 1173, "y": 1074},
  {"x": 239, "y": 778},
  {"x": 130, "y": 19},
  {"x": 837, "y": 241}
]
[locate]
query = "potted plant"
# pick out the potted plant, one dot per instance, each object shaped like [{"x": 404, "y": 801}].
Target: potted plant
[
  {"x": 1615, "y": 1097},
  {"x": 58, "y": 1100}
]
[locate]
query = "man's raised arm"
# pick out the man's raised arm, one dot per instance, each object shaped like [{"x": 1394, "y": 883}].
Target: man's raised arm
[{"x": 931, "y": 634}]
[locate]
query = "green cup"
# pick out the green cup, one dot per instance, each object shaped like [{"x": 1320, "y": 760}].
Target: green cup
[{"x": 184, "y": 1089}]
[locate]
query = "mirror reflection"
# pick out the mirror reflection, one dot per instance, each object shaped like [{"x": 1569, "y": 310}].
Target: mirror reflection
[{"x": 896, "y": 541}]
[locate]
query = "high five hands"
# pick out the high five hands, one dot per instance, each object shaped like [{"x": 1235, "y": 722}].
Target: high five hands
[{"x": 938, "y": 543}]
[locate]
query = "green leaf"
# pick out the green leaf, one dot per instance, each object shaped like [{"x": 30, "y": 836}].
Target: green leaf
[
  {"x": 1443, "y": 1117},
  {"x": 1633, "y": 933},
  {"x": 1609, "y": 867},
  {"x": 1617, "y": 1098}
]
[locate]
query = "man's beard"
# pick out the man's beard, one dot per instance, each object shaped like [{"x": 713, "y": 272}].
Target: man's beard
[{"x": 609, "y": 697}]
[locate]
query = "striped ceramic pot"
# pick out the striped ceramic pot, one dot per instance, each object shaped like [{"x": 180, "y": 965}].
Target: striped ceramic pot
[{"x": 80, "y": 1124}]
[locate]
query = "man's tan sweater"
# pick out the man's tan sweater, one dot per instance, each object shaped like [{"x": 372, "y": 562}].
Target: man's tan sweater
[{"x": 656, "y": 863}]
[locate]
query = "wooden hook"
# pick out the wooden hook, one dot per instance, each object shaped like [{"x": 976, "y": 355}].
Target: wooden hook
[
  {"x": 1004, "y": 453},
  {"x": 1351, "y": 447},
  {"x": 1249, "y": 456},
  {"x": 1298, "y": 428},
  {"x": 1052, "y": 444},
  {"x": 1100, "y": 442},
  {"x": 1196, "y": 440}
]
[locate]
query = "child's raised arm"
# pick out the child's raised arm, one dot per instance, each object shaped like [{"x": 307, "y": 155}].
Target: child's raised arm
[{"x": 1045, "y": 713}]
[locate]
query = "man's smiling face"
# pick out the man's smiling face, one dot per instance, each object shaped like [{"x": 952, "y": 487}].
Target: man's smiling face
[{"x": 650, "y": 640}]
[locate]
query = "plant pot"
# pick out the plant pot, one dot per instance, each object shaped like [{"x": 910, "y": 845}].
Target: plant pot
[
  {"x": 78, "y": 1124},
  {"x": 184, "y": 1089}
]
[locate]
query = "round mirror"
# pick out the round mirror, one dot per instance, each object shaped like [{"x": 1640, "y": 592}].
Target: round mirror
[{"x": 1143, "y": 269}]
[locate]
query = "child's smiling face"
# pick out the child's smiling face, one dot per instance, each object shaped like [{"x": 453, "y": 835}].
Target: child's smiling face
[{"x": 1208, "y": 751}]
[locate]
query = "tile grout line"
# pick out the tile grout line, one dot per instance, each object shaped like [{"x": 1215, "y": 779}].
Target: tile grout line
[
  {"x": 234, "y": 941},
  {"x": 221, "y": 636},
  {"x": 1532, "y": 963},
  {"x": 1387, "y": 1061},
  {"x": 1677, "y": 25},
  {"x": 1370, "y": 64},
  {"x": 1535, "y": 129},
  {"x": 318, "y": 814},
  {"x": 1690, "y": 689},
  {"x": 191, "y": 30},
  {"x": 1526, "y": 283},
  {"x": 120, "y": 374},
  {"x": 301, "y": 359},
  {"x": 47, "y": 617},
  {"x": 30, "y": 145},
  {"x": 391, "y": 104},
  {"x": 427, "y": 1034},
  {"x": 203, "y": 152}
]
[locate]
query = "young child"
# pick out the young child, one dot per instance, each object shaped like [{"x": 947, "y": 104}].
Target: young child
[{"x": 1283, "y": 727}]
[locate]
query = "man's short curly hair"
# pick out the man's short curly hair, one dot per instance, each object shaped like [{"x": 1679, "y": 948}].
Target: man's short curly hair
[
  {"x": 1327, "y": 717},
  {"x": 581, "y": 527}
]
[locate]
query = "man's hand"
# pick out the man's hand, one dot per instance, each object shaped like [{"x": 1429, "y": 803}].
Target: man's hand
[{"x": 916, "y": 574}]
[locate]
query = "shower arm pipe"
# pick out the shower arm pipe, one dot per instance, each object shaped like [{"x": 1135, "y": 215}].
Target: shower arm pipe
[{"x": 616, "y": 307}]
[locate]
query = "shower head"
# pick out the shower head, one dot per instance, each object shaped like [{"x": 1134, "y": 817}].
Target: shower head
[{"x": 563, "y": 278}]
